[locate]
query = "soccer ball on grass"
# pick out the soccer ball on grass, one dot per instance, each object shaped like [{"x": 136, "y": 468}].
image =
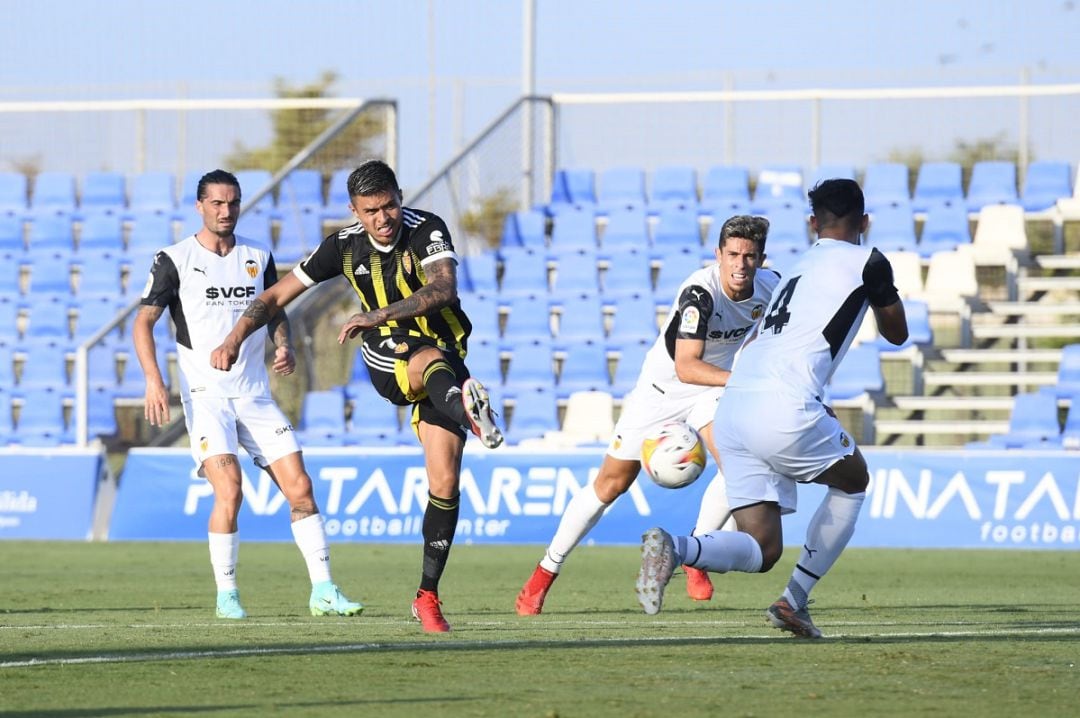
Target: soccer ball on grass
[{"x": 674, "y": 456}]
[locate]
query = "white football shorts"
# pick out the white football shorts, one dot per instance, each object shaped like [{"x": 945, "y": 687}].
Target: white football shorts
[
  {"x": 647, "y": 407},
  {"x": 768, "y": 441},
  {"x": 219, "y": 425}
]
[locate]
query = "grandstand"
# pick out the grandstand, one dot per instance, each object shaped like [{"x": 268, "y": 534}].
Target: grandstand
[{"x": 571, "y": 289}]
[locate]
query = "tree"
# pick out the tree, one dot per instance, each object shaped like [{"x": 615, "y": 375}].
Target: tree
[
  {"x": 486, "y": 218},
  {"x": 294, "y": 129}
]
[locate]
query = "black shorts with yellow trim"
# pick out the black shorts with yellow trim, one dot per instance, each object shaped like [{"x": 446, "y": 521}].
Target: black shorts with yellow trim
[{"x": 387, "y": 360}]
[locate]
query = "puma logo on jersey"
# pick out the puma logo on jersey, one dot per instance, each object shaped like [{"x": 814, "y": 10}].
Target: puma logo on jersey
[
  {"x": 362, "y": 270},
  {"x": 200, "y": 271}
]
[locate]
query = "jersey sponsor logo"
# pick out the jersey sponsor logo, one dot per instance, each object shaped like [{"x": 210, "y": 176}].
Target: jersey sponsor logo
[
  {"x": 690, "y": 318},
  {"x": 361, "y": 270},
  {"x": 229, "y": 292},
  {"x": 730, "y": 333},
  {"x": 436, "y": 243},
  {"x": 252, "y": 268},
  {"x": 283, "y": 429}
]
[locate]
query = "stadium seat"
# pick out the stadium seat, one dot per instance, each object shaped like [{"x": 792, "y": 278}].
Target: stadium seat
[
  {"x": 52, "y": 236},
  {"x": 1068, "y": 378},
  {"x": 892, "y": 228},
  {"x": 886, "y": 183},
  {"x": 7, "y": 369},
  {"x": 13, "y": 186},
  {"x": 483, "y": 311},
  {"x": 677, "y": 229},
  {"x": 188, "y": 189},
  {"x": 337, "y": 201},
  {"x": 907, "y": 273},
  {"x": 41, "y": 419},
  {"x": 322, "y": 418},
  {"x": 580, "y": 318},
  {"x": 627, "y": 272},
  {"x": 480, "y": 272},
  {"x": 302, "y": 189},
  {"x": 535, "y": 413},
  {"x": 829, "y": 171},
  {"x": 573, "y": 229},
  {"x": 258, "y": 228},
  {"x": 1000, "y": 234},
  {"x": 251, "y": 182},
  {"x": 485, "y": 361},
  {"x": 788, "y": 230},
  {"x": 525, "y": 272},
  {"x": 778, "y": 185},
  {"x": 155, "y": 192},
  {"x": 98, "y": 275},
  {"x": 101, "y": 232},
  {"x": 374, "y": 420},
  {"x": 950, "y": 282},
  {"x": 626, "y": 229},
  {"x": 53, "y": 192},
  {"x": 858, "y": 373},
  {"x": 45, "y": 367},
  {"x": 529, "y": 318},
  {"x": 576, "y": 271},
  {"x": 635, "y": 319},
  {"x": 527, "y": 228},
  {"x": 9, "y": 321},
  {"x": 299, "y": 233},
  {"x": 628, "y": 367},
  {"x": 920, "y": 333},
  {"x": 584, "y": 368},
  {"x": 150, "y": 232},
  {"x": 531, "y": 365},
  {"x": 7, "y": 421},
  {"x": 621, "y": 187},
  {"x": 725, "y": 191},
  {"x": 10, "y": 272},
  {"x": 572, "y": 188},
  {"x": 675, "y": 267},
  {"x": 992, "y": 182},
  {"x": 588, "y": 419},
  {"x": 102, "y": 369},
  {"x": 103, "y": 192},
  {"x": 673, "y": 186},
  {"x": 1045, "y": 182},
  {"x": 946, "y": 227},
  {"x": 100, "y": 413},
  {"x": 1033, "y": 424},
  {"x": 937, "y": 181},
  {"x": 191, "y": 221},
  {"x": 12, "y": 236},
  {"x": 50, "y": 277}
]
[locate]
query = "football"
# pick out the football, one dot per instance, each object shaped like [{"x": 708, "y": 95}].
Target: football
[{"x": 674, "y": 456}]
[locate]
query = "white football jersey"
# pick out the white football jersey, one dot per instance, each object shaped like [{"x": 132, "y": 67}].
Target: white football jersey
[
  {"x": 702, "y": 310},
  {"x": 206, "y": 294},
  {"x": 809, "y": 324}
]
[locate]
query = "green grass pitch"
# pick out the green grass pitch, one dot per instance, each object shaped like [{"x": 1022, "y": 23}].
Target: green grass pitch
[{"x": 127, "y": 629}]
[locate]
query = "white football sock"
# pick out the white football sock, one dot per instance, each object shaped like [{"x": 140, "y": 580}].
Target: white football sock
[
  {"x": 720, "y": 551},
  {"x": 224, "y": 549},
  {"x": 310, "y": 537},
  {"x": 826, "y": 536},
  {"x": 581, "y": 514},
  {"x": 714, "y": 513}
]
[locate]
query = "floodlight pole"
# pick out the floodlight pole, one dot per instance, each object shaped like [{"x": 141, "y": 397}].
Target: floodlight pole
[{"x": 528, "y": 89}]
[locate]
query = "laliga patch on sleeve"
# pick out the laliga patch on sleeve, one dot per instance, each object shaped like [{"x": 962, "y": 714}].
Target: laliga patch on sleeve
[{"x": 690, "y": 318}]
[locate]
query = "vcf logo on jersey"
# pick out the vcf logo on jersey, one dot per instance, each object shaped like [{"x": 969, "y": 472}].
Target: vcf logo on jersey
[{"x": 252, "y": 268}]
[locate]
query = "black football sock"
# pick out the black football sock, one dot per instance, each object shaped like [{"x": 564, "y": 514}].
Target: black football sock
[
  {"x": 440, "y": 523},
  {"x": 441, "y": 383}
]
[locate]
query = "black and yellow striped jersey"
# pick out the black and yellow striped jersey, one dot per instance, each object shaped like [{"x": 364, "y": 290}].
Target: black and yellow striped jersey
[{"x": 382, "y": 275}]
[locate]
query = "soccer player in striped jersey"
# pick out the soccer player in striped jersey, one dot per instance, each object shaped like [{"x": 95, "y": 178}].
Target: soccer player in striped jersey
[{"x": 401, "y": 264}]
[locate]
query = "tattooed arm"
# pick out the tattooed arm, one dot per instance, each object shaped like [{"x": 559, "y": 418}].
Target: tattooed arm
[
  {"x": 440, "y": 290},
  {"x": 266, "y": 310}
]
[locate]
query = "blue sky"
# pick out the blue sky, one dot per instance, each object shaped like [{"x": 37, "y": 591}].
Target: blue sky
[{"x": 56, "y": 49}]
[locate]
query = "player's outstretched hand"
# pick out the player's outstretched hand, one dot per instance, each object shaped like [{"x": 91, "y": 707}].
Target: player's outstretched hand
[
  {"x": 284, "y": 360},
  {"x": 156, "y": 404},
  {"x": 356, "y": 324},
  {"x": 225, "y": 356}
]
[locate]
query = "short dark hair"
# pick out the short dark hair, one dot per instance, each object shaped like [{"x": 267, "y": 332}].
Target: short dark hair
[
  {"x": 745, "y": 226},
  {"x": 216, "y": 177},
  {"x": 841, "y": 198},
  {"x": 372, "y": 177}
]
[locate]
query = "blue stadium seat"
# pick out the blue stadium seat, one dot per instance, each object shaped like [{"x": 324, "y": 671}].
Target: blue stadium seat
[
  {"x": 41, "y": 419},
  {"x": 621, "y": 187},
  {"x": 573, "y": 189},
  {"x": 52, "y": 236},
  {"x": 946, "y": 228},
  {"x": 374, "y": 420},
  {"x": 99, "y": 274},
  {"x": 53, "y": 192},
  {"x": 1033, "y": 424},
  {"x": 725, "y": 192},
  {"x": 50, "y": 278},
  {"x": 626, "y": 229},
  {"x": 483, "y": 312},
  {"x": 576, "y": 271},
  {"x": 525, "y": 272},
  {"x": 527, "y": 228},
  {"x": 992, "y": 182},
  {"x": 779, "y": 185},
  {"x": 302, "y": 189},
  {"x": 920, "y": 333},
  {"x": 13, "y": 193},
  {"x": 7, "y": 371},
  {"x": 628, "y": 367},
  {"x": 788, "y": 230},
  {"x": 251, "y": 181},
  {"x": 675, "y": 267},
  {"x": 485, "y": 361},
  {"x": 102, "y": 369},
  {"x": 1045, "y": 182},
  {"x": 677, "y": 229},
  {"x": 529, "y": 319},
  {"x": 155, "y": 192},
  {"x": 7, "y": 421},
  {"x": 191, "y": 221},
  {"x": 9, "y": 279},
  {"x": 584, "y": 368},
  {"x": 531, "y": 364},
  {"x": 322, "y": 418},
  {"x": 937, "y": 182},
  {"x": 337, "y": 200},
  {"x": 628, "y": 272},
  {"x": 535, "y": 413},
  {"x": 1068, "y": 377},
  {"x": 359, "y": 376},
  {"x": 101, "y": 232},
  {"x": 573, "y": 229},
  {"x": 299, "y": 233},
  {"x": 581, "y": 318},
  {"x": 673, "y": 186},
  {"x": 258, "y": 228},
  {"x": 1070, "y": 433},
  {"x": 858, "y": 373},
  {"x": 103, "y": 192},
  {"x": 635, "y": 319},
  {"x": 886, "y": 183},
  {"x": 45, "y": 368},
  {"x": 150, "y": 232},
  {"x": 188, "y": 189},
  {"x": 9, "y": 321},
  {"x": 892, "y": 228},
  {"x": 12, "y": 235},
  {"x": 100, "y": 413},
  {"x": 479, "y": 272},
  {"x": 132, "y": 380},
  {"x": 829, "y": 171}
]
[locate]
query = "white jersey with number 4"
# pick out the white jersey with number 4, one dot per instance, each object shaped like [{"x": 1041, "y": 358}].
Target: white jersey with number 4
[{"x": 810, "y": 323}]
